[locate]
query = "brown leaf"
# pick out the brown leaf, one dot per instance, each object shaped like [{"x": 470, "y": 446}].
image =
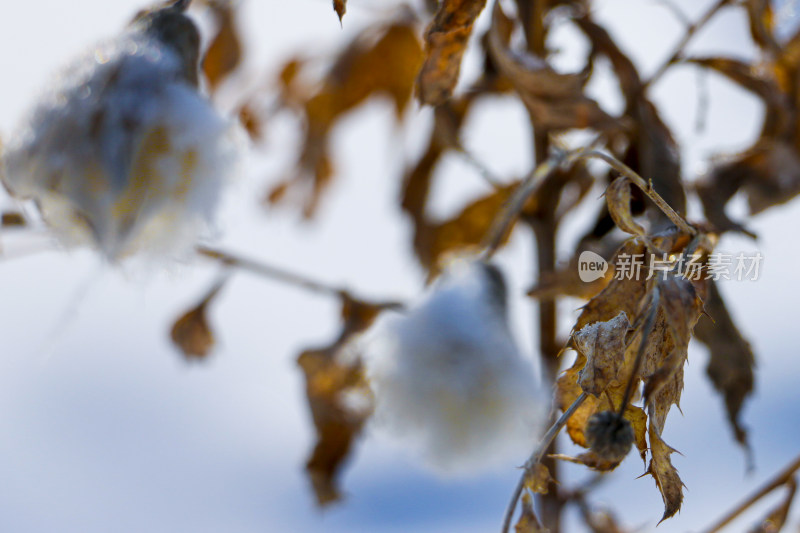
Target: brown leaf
[
  {"x": 340, "y": 6},
  {"x": 225, "y": 51},
  {"x": 590, "y": 459},
  {"x": 380, "y": 61},
  {"x": 664, "y": 474},
  {"x": 763, "y": 83},
  {"x": 618, "y": 197},
  {"x": 762, "y": 24},
  {"x": 538, "y": 479},
  {"x": 768, "y": 174},
  {"x": 731, "y": 360},
  {"x": 465, "y": 230},
  {"x": 528, "y": 523},
  {"x": 12, "y": 219},
  {"x": 445, "y": 42},
  {"x": 603, "y": 345},
  {"x": 338, "y": 396},
  {"x": 652, "y": 150},
  {"x": 555, "y": 101},
  {"x": 191, "y": 332}
]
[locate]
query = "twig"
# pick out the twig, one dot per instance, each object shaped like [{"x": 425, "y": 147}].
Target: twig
[
  {"x": 537, "y": 455},
  {"x": 676, "y": 11},
  {"x": 691, "y": 30},
  {"x": 649, "y": 323},
  {"x": 511, "y": 212},
  {"x": 559, "y": 157},
  {"x": 782, "y": 478},
  {"x": 271, "y": 272},
  {"x": 484, "y": 171},
  {"x": 645, "y": 186}
]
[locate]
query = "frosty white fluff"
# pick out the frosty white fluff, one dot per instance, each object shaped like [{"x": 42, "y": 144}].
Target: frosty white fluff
[
  {"x": 122, "y": 152},
  {"x": 449, "y": 376}
]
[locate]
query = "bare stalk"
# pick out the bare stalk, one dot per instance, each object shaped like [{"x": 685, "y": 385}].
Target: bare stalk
[
  {"x": 691, "y": 31},
  {"x": 649, "y": 323},
  {"x": 506, "y": 218},
  {"x": 537, "y": 456},
  {"x": 645, "y": 186},
  {"x": 488, "y": 176},
  {"x": 269, "y": 271},
  {"x": 782, "y": 478}
]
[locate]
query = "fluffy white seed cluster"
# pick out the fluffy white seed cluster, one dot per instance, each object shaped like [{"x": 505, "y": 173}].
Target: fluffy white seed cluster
[
  {"x": 449, "y": 376},
  {"x": 122, "y": 152}
]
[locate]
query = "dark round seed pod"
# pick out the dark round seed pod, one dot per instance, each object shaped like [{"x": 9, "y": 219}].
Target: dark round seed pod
[{"x": 609, "y": 435}]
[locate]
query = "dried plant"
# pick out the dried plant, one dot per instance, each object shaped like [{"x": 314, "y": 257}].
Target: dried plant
[{"x": 657, "y": 292}]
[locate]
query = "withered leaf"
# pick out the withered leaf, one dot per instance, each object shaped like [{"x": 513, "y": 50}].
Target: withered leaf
[
  {"x": 664, "y": 474},
  {"x": 191, "y": 331},
  {"x": 731, "y": 360},
  {"x": 445, "y": 43},
  {"x": 528, "y": 523},
  {"x": 603, "y": 345},
  {"x": 340, "y": 6},
  {"x": 762, "y": 24},
  {"x": 538, "y": 479},
  {"x": 334, "y": 379},
  {"x": 618, "y": 197},
  {"x": 768, "y": 174},
  {"x": 466, "y": 229},
  {"x": 225, "y": 51},
  {"x": 380, "y": 61},
  {"x": 555, "y": 101},
  {"x": 652, "y": 150},
  {"x": 12, "y": 219},
  {"x": 590, "y": 459}
]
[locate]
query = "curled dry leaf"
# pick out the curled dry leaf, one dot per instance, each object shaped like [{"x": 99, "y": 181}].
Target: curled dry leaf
[
  {"x": 618, "y": 197},
  {"x": 225, "y": 51},
  {"x": 380, "y": 61},
  {"x": 338, "y": 396},
  {"x": 445, "y": 43},
  {"x": 555, "y": 101},
  {"x": 191, "y": 332}
]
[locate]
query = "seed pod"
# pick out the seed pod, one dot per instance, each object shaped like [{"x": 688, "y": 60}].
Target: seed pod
[{"x": 609, "y": 435}]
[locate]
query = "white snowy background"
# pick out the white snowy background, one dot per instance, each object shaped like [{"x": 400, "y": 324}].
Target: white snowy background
[{"x": 104, "y": 427}]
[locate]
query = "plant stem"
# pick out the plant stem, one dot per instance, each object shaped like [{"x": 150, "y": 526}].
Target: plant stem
[
  {"x": 271, "y": 272},
  {"x": 691, "y": 30},
  {"x": 537, "y": 455},
  {"x": 503, "y": 222},
  {"x": 649, "y": 323},
  {"x": 782, "y": 478}
]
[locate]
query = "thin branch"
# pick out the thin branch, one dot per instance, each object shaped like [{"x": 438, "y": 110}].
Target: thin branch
[
  {"x": 271, "y": 272},
  {"x": 484, "y": 171},
  {"x": 649, "y": 323},
  {"x": 645, "y": 186},
  {"x": 536, "y": 457},
  {"x": 676, "y": 11},
  {"x": 506, "y": 218},
  {"x": 691, "y": 31},
  {"x": 782, "y": 478},
  {"x": 511, "y": 212}
]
